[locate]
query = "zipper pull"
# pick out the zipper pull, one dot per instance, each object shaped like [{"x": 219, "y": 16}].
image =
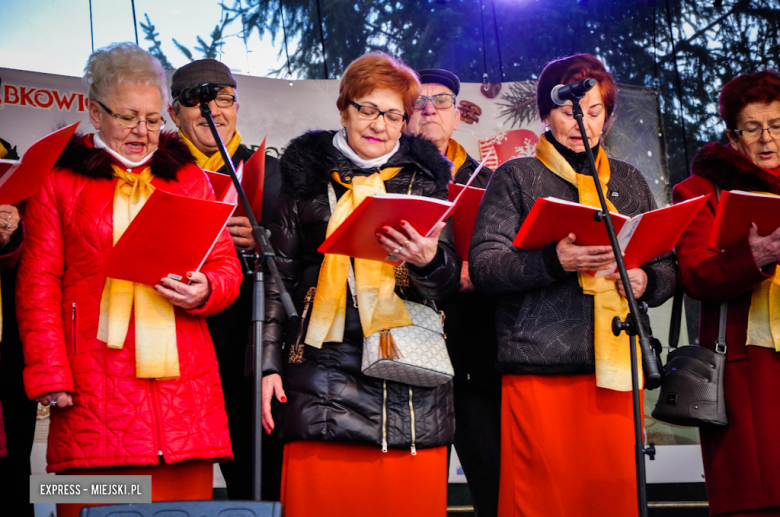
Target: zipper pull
[
  {"x": 414, "y": 450},
  {"x": 384, "y": 446},
  {"x": 73, "y": 312}
]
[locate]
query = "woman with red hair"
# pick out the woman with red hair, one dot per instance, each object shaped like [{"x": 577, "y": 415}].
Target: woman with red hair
[
  {"x": 356, "y": 445},
  {"x": 742, "y": 460},
  {"x": 567, "y": 432}
]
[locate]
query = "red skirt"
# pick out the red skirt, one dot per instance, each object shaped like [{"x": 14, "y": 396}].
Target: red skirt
[
  {"x": 330, "y": 479},
  {"x": 191, "y": 480},
  {"x": 567, "y": 448}
]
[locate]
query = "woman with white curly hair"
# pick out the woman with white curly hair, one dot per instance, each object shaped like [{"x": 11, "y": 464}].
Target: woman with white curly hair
[{"x": 128, "y": 370}]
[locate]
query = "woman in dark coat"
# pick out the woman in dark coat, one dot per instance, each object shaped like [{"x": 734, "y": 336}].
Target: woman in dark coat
[
  {"x": 567, "y": 437},
  {"x": 741, "y": 461},
  {"x": 356, "y": 445}
]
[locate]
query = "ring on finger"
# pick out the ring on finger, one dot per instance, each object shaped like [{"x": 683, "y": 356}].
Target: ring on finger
[
  {"x": 7, "y": 225},
  {"x": 397, "y": 251},
  {"x": 53, "y": 403},
  {"x": 406, "y": 243}
]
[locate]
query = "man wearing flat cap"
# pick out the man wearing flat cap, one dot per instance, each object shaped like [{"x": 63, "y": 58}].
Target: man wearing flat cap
[
  {"x": 231, "y": 329},
  {"x": 469, "y": 326}
]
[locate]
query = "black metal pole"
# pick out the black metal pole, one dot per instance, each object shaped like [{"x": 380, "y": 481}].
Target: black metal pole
[
  {"x": 631, "y": 326},
  {"x": 266, "y": 253}
]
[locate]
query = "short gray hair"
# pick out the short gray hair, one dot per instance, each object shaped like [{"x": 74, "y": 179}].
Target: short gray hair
[{"x": 123, "y": 63}]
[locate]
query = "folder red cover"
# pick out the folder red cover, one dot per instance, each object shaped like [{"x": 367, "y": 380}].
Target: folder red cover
[
  {"x": 736, "y": 210},
  {"x": 171, "y": 235},
  {"x": 464, "y": 216},
  {"x": 642, "y": 238},
  {"x": 356, "y": 236},
  {"x": 252, "y": 182},
  {"x": 22, "y": 179}
]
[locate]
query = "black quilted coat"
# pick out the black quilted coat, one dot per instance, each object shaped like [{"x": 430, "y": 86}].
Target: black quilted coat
[
  {"x": 328, "y": 396},
  {"x": 544, "y": 322}
]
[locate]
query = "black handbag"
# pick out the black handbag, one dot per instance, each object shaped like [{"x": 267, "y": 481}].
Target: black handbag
[{"x": 692, "y": 389}]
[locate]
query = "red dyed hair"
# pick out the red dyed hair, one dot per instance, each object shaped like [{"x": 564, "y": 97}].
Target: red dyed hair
[
  {"x": 566, "y": 70},
  {"x": 377, "y": 70},
  {"x": 760, "y": 87}
]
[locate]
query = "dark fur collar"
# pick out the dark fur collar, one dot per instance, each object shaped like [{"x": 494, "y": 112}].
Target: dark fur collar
[
  {"x": 731, "y": 170},
  {"x": 308, "y": 160},
  {"x": 172, "y": 154}
]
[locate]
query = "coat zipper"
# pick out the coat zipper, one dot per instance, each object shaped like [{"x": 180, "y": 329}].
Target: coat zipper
[
  {"x": 156, "y": 409},
  {"x": 384, "y": 416},
  {"x": 73, "y": 331},
  {"x": 411, "y": 412}
]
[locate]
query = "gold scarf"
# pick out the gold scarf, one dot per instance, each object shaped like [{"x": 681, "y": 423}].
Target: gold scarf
[
  {"x": 156, "y": 355},
  {"x": 379, "y": 307},
  {"x": 457, "y": 155},
  {"x": 215, "y": 161},
  {"x": 3, "y": 151},
  {"x": 764, "y": 317},
  {"x": 613, "y": 355}
]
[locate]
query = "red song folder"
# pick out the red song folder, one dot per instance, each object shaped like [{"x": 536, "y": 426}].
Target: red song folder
[
  {"x": 464, "y": 217},
  {"x": 736, "y": 210},
  {"x": 224, "y": 190},
  {"x": 252, "y": 182},
  {"x": 170, "y": 236},
  {"x": 22, "y": 179},
  {"x": 356, "y": 236},
  {"x": 642, "y": 238}
]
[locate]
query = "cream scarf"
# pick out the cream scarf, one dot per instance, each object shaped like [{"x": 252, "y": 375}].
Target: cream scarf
[
  {"x": 379, "y": 307},
  {"x": 613, "y": 355},
  {"x": 156, "y": 354}
]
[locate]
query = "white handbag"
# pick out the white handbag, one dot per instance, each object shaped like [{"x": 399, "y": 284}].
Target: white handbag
[{"x": 414, "y": 354}]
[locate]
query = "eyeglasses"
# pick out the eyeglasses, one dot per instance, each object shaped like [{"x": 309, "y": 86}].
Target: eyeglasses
[
  {"x": 368, "y": 113},
  {"x": 132, "y": 121},
  {"x": 440, "y": 101},
  {"x": 224, "y": 100},
  {"x": 753, "y": 134}
]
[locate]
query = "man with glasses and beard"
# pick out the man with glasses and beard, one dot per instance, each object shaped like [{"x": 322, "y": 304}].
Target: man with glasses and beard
[
  {"x": 231, "y": 329},
  {"x": 469, "y": 325}
]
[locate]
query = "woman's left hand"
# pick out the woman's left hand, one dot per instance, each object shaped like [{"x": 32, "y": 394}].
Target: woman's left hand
[
  {"x": 412, "y": 247},
  {"x": 638, "y": 279},
  {"x": 183, "y": 295},
  {"x": 9, "y": 222}
]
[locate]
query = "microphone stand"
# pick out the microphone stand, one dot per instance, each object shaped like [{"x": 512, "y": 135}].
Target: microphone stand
[
  {"x": 631, "y": 326},
  {"x": 266, "y": 254}
]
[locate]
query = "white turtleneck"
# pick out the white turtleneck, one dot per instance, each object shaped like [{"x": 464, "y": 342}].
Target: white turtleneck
[{"x": 340, "y": 143}]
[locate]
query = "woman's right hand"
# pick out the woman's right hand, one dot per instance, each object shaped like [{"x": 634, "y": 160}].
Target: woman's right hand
[
  {"x": 63, "y": 398},
  {"x": 766, "y": 250},
  {"x": 583, "y": 258},
  {"x": 272, "y": 385}
]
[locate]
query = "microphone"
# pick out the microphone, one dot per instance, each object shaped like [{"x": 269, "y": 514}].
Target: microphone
[
  {"x": 198, "y": 93},
  {"x": 572, "y": 92}
]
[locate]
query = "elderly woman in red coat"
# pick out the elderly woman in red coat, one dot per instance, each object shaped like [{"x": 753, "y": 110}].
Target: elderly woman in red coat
[
  {"x": 129, "y": 370},
  {"x": 741, "y": 461}
]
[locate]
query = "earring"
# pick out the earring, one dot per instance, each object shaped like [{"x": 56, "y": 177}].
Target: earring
[{"x": 344, "y": 131}]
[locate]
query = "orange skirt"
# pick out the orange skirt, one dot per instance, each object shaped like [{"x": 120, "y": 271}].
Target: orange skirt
[
  {"x": 330, "y": 479},
  {"x": 567, "y": 448},
  {"x": 191, "y": 480}
]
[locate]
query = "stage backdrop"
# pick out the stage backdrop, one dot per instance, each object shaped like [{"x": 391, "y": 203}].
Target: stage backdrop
[{"x": 501, "y": 117}]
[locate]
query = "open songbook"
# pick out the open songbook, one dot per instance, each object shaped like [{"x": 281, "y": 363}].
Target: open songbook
[
  {"x": 171, "y": 235},
  {"x": 20, "y": 179},
  {"x": 737, "y": 209},
  {"x": 641, "y": 238}
]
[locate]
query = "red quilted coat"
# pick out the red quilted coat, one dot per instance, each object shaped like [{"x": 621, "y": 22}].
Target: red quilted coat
[
  {"x": 742, "y": 460},
  {"x": 116, "y": 419}
]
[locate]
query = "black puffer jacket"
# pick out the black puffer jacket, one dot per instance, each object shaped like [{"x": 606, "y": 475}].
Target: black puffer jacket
[{"x": 328, "y": 396}]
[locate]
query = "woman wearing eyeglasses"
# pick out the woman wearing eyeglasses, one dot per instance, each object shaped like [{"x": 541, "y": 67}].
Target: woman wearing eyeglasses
[
  {"x": 128, "y": 370},
  {"x": 742, "y": 460},
  {"x": 356, "y": 445}
]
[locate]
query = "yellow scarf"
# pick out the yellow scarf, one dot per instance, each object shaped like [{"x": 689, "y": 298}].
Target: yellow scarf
[
  {"x": 379, "y": 307},
  {"x": 764, "y": 317},
  {"x": 156, "y": 355},
  {"x": 457, "y": 155},
  {"x": 215, "y": 161},
  {"x": 613, "y": 356},
  {"x": 3, "y": 151}
]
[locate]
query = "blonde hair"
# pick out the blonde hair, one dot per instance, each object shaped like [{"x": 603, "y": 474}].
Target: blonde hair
[{"x": 123, "y": 63}]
